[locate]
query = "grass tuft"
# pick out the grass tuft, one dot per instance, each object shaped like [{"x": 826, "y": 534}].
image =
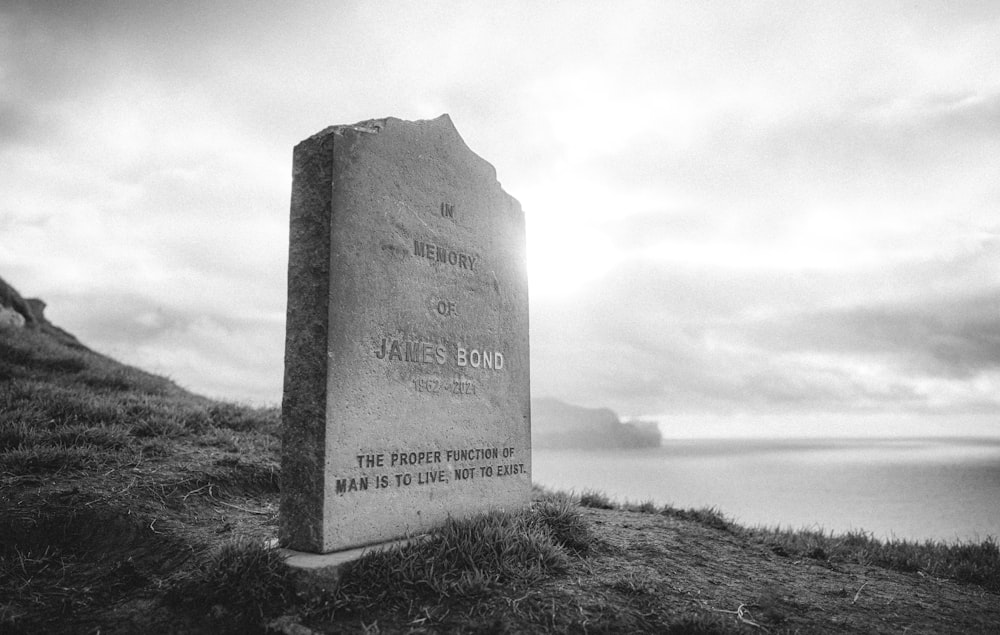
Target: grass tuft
[
  {"x": 466, "y": 558},
  {"x": 645, "y": 507},
  {"x": 636, "y": 583},
  {"x": 168, "y": 427},
  {"x": 243, "y": 418},
  {"x": 595, "y": 499},
  {"x": 22, "y": 461},
  {"x": 242, "y": 586},
  {"x": 708, "y": 516},
  {"x": 567, "y": 526}
]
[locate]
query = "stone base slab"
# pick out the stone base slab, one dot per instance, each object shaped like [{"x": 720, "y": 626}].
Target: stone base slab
[{"x": 321, "y": 572}]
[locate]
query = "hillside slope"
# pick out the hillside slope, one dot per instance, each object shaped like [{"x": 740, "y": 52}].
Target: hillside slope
[
  {"x": 130, "y": 505},
  {"x": 113, "y": 479}
]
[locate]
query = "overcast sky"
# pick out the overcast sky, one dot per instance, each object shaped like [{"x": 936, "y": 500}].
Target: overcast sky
[{"x": 738, "y": 213}]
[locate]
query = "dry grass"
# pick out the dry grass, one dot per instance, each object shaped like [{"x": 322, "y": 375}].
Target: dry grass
[
  {"x": 130, "y": 505},
  {"x": 970, "y": 562}
]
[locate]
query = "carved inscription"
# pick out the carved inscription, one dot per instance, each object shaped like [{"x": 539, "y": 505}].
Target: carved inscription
[
  {"x": 447, "y": 308},
  {"x": 429, "y": 467},
  {"x": 396, "y": 469},
  {"x": 407, "y": 351},
  {"x": 416, "y": 468},
  {"x": 437, "y": 253},
  {"x": 492, "y": 360},
  {"x": 433, "y": 385},
  {"x": 431, "y": 353}
]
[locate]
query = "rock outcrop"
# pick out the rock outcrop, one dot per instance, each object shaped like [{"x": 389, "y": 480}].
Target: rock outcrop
[
  {"x": 10, "y": 319},
  {"x": 12, "y": 302},
  {"x": 17, "y": 311}
]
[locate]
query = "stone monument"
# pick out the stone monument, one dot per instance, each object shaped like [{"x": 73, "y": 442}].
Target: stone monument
[{"x": 406, "y": 396}]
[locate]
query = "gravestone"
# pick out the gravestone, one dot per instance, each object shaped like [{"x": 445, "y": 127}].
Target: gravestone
[{"x": 406, "y": 397}]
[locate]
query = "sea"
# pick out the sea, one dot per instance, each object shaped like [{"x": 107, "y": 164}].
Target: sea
[{"x": 941, "y": 489}]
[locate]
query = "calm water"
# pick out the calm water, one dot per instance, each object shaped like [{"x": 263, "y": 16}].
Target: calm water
[{"x": 946, "y": 489}]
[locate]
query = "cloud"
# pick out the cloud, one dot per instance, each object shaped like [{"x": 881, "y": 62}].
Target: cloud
[
  {"x": 659, "y": 337},
  {"x": 212, "y": 349},
  {"x": 947, "y": 337},
  {"x": 19, "y": 123},
  {"x": 730, "y": 208}
]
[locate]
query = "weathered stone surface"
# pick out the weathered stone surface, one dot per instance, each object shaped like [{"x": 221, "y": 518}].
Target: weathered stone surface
[
  {"x": 318, "y": 574},
  {"x": 11, "y": 299},
  {"x": 406, "y": 363},
  {"x": 10, "y": 319}
]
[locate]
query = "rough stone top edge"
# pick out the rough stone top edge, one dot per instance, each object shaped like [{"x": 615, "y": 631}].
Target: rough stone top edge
[{"x": 375, "y": 126}]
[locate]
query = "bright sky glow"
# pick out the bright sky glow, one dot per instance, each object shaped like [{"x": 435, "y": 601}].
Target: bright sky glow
[{"x": 738, "y": 212}]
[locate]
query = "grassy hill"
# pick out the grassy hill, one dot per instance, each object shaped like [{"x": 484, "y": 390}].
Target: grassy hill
[{"x": 128, "y": 504}]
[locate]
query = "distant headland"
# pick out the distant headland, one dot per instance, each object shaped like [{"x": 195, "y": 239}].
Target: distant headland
[{"x": 559, "y": 425}]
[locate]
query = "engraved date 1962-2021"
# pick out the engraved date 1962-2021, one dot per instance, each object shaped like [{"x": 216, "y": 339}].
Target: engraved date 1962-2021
[{"x": 435, "y": 385}]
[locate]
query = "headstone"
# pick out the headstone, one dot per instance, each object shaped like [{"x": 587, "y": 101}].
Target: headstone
[{"x": 406, "y": 397}]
